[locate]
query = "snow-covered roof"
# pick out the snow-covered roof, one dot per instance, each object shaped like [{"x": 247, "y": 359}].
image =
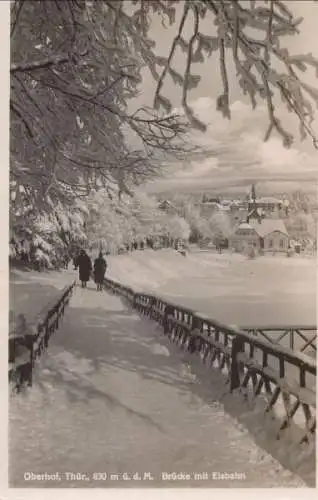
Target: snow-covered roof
[
  {"x": 267, "y": 226},
  {"x": 245, "y": 225},
  {"x": 166, "y": 204},
  {"x": 258, "y": 210},
  {"x": 268, "y": 199}
]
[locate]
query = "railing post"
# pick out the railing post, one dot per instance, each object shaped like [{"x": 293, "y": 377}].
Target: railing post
[
  {"x": 291, "y": 339},
  {"x": 57, "y": 317},
  {"x": 302, "y": 376},
  {"x": 196, "y": 329},
  {"x": 237, "y": 347},
  {"x": 134, "y": 300},
  {"x": 46, "y": 334},
  {"x": 29, "y": 369},
  {"x": 169, "y": 310},
  {"x": 281, "y": 366},
  {"x": 151, "y": 306}
]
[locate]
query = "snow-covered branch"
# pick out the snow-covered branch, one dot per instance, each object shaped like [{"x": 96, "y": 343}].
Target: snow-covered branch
[
  {"x": 254, "y": 58},
  {"x": 41, "y": 64},
  {"x": 71, "y": 80}
]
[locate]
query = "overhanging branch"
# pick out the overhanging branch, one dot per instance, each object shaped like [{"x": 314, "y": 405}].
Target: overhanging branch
[{"x": 43, "y": 63}]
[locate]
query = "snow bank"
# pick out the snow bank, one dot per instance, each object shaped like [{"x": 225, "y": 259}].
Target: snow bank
[
  {"x": 31, "y": 291},
  {"x": 229, "y": 287},
  {"x": 151, "y": 269}
]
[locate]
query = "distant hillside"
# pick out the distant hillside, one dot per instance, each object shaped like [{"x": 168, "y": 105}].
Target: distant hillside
[{"x": 238, "y": 188}]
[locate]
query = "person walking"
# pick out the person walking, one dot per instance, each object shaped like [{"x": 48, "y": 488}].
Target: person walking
[
  {"x": 100, "y": 267},
  {"x": 83, "y": 263}
]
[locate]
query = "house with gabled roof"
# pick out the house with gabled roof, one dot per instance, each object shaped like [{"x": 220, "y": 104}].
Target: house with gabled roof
[
  {"x": 168, "y": 207},
  {"x": 269, "y": 203},
  {"x": 266, "y": 204},
  {"x": 269, "y": 235}
]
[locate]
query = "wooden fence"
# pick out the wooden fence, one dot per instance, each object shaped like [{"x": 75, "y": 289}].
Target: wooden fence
[
  {"x": 297, "y": 338},
  {"x": 254, "y": 365},
  {"x": 28, "y": 341}
]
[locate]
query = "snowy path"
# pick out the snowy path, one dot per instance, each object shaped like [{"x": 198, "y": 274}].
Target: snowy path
[{"x": 109, "y": 396}]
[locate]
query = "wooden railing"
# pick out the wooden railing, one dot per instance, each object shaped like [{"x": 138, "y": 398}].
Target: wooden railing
[
  {"x": 298, "y": 338},
  {"x": 28, "y": 341},
  {"x": 253, "y": 365}
]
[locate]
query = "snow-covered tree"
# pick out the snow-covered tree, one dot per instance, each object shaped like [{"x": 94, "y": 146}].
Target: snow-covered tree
[
  {"x": 113, "y": 224},
  {"x": 178, "y": 227},
  {"x": 199, "y": 226},
  {"x": 74, "y": 66},
  {"x": 299, "y": 201},
  {"x": 220, "y": 225},
  {"x": 46, "y": 238},
  {"x": 301, "y": 225},
  {"x": 252, "y": 34}
]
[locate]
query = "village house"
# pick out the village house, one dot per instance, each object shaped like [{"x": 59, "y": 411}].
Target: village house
[
  {"x": 209, "y": 199},
  {"x": 269, "y": 203},
  {"x": 168, "y": 207},
  {"x": 268, "y": 235},
  {"x": 209, "y": 208}
]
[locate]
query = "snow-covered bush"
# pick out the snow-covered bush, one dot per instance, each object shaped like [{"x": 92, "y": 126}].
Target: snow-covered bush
[
  {"x": 116, "y": 224},
  {"x": 44, "y": 240},
  {"x": 290, "y": 252},
  {"x": 69, "y": 130}
]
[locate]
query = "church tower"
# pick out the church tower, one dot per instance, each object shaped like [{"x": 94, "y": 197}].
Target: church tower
[{"x": 253, "y": 211}]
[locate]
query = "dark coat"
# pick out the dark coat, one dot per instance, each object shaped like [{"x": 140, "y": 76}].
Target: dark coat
[
  {"x": 100, "y": 267},
  {"x": 85, "y": 266}
]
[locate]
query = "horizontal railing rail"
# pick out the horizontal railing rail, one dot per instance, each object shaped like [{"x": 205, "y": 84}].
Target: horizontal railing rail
[
  {"x": 297, "y": 337},
  {"x": 27, "y": 341},
  {"x": 253, "y": 364}
]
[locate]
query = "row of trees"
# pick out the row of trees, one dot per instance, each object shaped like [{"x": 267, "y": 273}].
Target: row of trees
[
  {"x": 218, "y": 225},
  {"x": 75, "y": 65},
  {"x": 112, "y": 224}
]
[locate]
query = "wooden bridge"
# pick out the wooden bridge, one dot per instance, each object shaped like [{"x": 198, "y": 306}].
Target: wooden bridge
[{"x": 252, "y": 362}]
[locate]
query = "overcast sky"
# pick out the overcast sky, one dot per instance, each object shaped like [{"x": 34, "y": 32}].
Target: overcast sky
[{"x": 242, "y": 153}]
